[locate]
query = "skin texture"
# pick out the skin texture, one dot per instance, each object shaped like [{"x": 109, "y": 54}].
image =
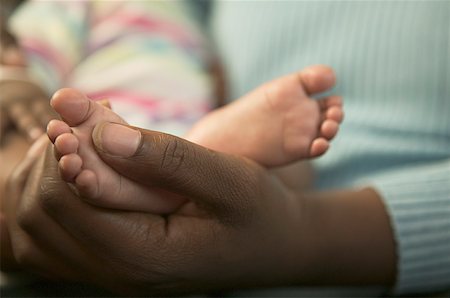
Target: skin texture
[
  {"x": 13, "y": 150},
  {"x": 274, "y": 125},
  {"x": 242, "y": 227},
  {"x": 278, "y": 122}
]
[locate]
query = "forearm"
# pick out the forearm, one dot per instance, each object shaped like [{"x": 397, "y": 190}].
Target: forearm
[{"x": 346, "y": 239}]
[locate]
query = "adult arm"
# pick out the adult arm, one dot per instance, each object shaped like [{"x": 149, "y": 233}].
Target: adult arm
[{"x": 242, "y": 229}]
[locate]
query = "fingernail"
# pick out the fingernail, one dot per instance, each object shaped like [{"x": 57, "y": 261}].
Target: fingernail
[{"x": 116, "y": 139}]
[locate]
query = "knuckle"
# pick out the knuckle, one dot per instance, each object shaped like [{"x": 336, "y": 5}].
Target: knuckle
[{"x": 173, "y": 157}]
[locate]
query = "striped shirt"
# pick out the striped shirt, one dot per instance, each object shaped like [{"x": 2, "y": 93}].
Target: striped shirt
[
  {"x": 392, "y": 60},
  {"x": 149, "y": 58}
]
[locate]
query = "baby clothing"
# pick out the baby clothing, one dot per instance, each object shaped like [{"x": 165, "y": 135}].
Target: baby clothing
[{"x": 149, "y": 58}]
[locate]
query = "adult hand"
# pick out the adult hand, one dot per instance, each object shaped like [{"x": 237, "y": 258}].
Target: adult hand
[
  {"x": 23, "y": 104},
  {"x": 25, "y": 107},
  {"x": 24, "y": 182},
  {"x": 237, "y": 232},
  {"x": 241, "y": 229}
]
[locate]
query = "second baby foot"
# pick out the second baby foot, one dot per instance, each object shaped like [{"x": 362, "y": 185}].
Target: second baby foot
[
  {"x": 277, "y": 123},
  {"x": 80, "y": 164}
]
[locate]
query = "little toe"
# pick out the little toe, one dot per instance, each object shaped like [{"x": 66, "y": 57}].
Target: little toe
[
  {"x": 73, "y": 106},
  {"x": 318, "y": 147},
  {"x": 87, "y": 184},
  {"x": 56, "y": 128},
  {"x": 329, "y": 129},
  {"x": 70, "y": 166},
  {"x": 66, "y": 143}
]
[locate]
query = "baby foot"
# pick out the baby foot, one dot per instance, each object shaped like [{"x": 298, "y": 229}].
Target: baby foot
[
  {"x": 277, "y": 123},
  {"x": 79, "y": 163}
]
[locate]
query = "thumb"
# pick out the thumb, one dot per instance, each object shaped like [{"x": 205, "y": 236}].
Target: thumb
[{"x": 214, "y": 180}]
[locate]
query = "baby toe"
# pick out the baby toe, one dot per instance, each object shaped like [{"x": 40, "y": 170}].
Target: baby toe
[
  {"x": 330, "y": 101},
  {"x": 87, "y": 184},
  {"x": 66, "y": 143},
  {"x": 335, "y": 113},
  {"x": 70, "y": 166},
  {"x": 329, "y": 129},
  {"x": 318, "y": 147},
  {"x": 56, "y": 128}
]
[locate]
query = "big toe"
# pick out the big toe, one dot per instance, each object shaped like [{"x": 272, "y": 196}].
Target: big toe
[
  {"x": 73, "y": 106},
  {"x": 317, "y": 78}
]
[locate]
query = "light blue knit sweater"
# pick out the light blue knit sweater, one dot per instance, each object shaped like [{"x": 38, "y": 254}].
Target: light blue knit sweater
[{"x": 392, "y": 63}]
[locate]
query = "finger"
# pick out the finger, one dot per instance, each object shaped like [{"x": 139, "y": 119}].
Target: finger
[
  {"x": 39, "y": 244},
  {"x": 31, "y": 257},
  {"x": 25, "y": 121},
  {"x": 218, "y": 181},
  {"x": 9, "y": 199},
  {"x": 122, "y": 240},
  {"x": 18, "y": 178},
  {"x": 43, "y": 112},
  {"x": 98, "y": 230}
]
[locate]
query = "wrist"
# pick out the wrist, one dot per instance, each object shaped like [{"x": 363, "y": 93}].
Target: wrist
[{"x": 347, "y": 239}]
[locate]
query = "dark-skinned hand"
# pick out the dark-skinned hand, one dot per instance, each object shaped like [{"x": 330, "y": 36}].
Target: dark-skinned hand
[{"x": 236, "y": 230}]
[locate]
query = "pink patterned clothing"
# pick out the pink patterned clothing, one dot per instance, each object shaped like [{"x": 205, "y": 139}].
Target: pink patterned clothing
[{"x": 149, "y": 58}]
